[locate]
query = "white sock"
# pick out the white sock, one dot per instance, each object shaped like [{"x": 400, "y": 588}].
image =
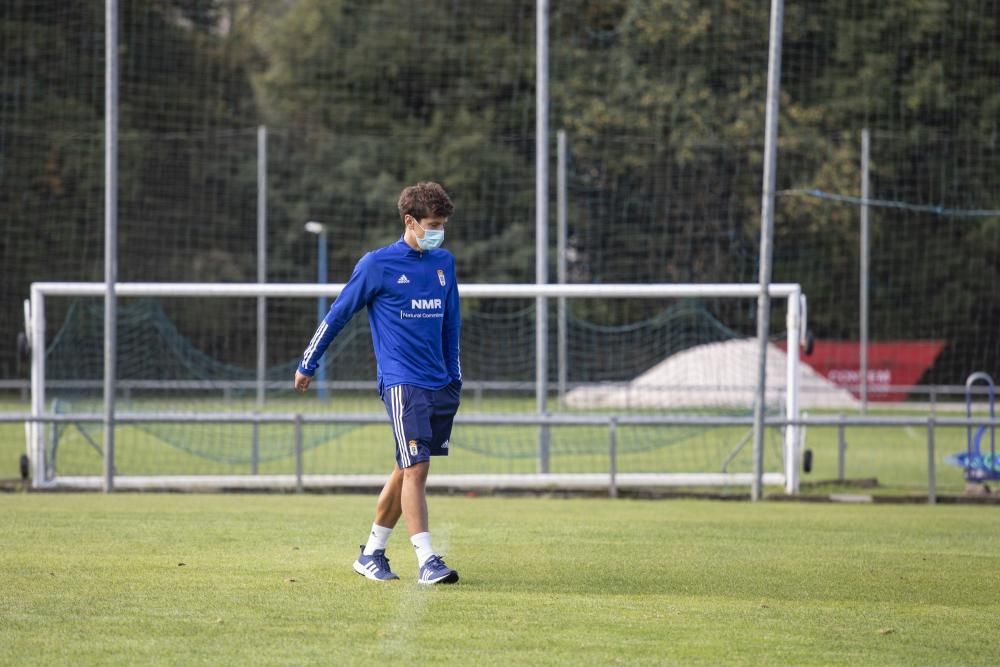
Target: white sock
[
  {"x": 422, "y": 545},
  {"x": 378, "y": 539}
]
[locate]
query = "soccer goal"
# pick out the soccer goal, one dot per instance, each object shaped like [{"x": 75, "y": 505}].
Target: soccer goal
[{"x": 619, "y": 386}]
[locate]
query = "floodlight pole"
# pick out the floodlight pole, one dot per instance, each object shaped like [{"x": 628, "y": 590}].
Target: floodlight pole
[
  {"x": 766, "y": 236},
  {"x": 110, "y": 236},
  {"x": 322, "y": 274}
]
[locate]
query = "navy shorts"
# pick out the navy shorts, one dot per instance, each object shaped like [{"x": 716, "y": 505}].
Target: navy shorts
[{"x": 421, "y": 420}]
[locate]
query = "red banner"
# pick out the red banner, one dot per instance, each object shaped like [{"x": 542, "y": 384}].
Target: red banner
[{"x": 890, "y": 363}]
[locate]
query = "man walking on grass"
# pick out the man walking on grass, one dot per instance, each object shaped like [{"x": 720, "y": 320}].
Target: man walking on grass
[{"x": 411, "y": 294}]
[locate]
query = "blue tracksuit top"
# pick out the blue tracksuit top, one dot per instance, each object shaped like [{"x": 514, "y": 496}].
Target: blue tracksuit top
[{"x": 413, "y": 311}]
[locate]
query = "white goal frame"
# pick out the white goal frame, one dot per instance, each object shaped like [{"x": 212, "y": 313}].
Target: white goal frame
[{"x": 794, "y": 330}]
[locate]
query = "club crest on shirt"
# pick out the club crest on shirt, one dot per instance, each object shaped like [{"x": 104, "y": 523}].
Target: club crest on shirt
[
  {"x": 441, "y": 277},
  {"x": 413, "y": 447}
]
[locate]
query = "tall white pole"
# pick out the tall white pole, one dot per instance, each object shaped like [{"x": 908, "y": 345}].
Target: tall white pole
[
  {"x": 766, "y": 236},
  {"x": 541, "y": 219},
  {"x": 561, "y": 261},
  {"x": 261, "y": 260},
  {"x": 261, "y": 278},
  {"x": 864, "y": 262},
  {"x": 110, "y": 235}
]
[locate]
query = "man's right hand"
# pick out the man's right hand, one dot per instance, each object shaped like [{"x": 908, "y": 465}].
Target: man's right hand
[{"x": 302, "y": 382}]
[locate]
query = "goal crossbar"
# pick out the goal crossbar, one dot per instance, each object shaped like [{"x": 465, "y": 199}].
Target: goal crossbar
[{"x": 475, "y": 290}]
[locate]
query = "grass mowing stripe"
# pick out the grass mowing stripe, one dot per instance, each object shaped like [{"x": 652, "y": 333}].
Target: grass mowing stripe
[
  {"x": 412, "y": 602},
  {"x": 97, "y": 579}
]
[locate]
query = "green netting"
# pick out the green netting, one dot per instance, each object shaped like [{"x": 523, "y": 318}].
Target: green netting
[
  {"x": 169, "y": 374},
  {"x": 166, "y": 370}
]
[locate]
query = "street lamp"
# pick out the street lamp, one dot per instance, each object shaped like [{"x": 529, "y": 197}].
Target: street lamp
[{"x": 319, "y": 229}]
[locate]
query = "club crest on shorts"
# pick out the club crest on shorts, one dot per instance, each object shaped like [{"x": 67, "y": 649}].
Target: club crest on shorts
[
  {"x": 413, "y": 447},
  {"x": 441, "y": 277}
]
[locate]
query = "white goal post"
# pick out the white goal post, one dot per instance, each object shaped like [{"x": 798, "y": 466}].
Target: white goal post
[{"x": 794, "y": 334}]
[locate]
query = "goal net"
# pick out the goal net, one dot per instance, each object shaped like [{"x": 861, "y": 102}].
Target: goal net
[{"x": 643, "y": 385}]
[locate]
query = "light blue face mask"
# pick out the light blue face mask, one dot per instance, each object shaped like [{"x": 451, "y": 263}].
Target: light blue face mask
[{"x": 433, "y": 238}]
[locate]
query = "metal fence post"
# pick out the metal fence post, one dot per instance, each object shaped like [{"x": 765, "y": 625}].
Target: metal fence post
[
  {"x": 561, "y": 333},
  {"x": 254, "y": 446},
  {"x": 48, "y": 460},
  {"x": 298, "y": 453},
  {"x": 613, "y": 457},
  {"x": 931, "y": 469},
  {"x": 864, "y": 266},
  {"x": 841, "y": 450}
]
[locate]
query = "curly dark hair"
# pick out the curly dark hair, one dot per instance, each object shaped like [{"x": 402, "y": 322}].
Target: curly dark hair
[{"x": 424, "y": 200}]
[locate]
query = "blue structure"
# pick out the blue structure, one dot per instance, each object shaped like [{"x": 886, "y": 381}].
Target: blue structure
[{"x": 978, "y": 467}]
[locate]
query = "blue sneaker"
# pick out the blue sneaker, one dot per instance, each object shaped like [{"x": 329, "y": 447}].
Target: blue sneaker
[
  {"x": 434, "y": 571},
  {"x": 375, "y": 566}
]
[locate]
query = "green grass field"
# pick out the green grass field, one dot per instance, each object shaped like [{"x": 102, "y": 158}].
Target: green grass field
[{"x": 266, "y": 579}]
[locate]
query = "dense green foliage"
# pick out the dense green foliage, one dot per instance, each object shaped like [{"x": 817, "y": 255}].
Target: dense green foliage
[{"x": 663, "y": 101}]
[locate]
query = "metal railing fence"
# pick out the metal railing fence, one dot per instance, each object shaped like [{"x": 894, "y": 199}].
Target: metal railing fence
[{"x": 612, "y": 481}]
